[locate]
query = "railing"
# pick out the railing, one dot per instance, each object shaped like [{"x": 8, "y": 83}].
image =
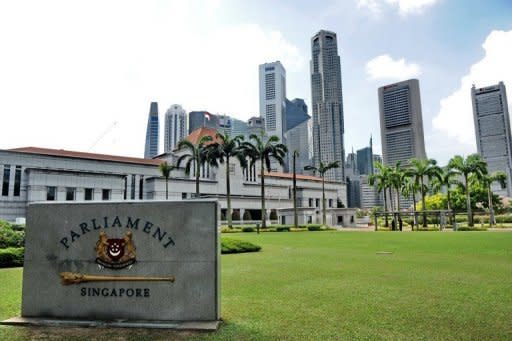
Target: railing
[{"x": 248, "y": 222}]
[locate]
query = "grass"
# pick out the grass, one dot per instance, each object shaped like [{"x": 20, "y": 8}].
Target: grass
[{"x": 336, "y": 285}]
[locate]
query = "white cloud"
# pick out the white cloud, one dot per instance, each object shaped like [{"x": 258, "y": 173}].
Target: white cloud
[
  {"x": 405, "y": 7},
  {"x": 455, "y": 117},
  {"x": 65, "y": 81},
  {"x": 384, "y": 67}
]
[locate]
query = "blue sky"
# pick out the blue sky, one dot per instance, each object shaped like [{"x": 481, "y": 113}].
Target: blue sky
[{"x": 80, "y": 75}]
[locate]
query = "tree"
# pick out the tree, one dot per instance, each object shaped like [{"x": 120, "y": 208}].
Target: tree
[
  {"x": 322, "y": 169},
  {"x": 421, "y": 169},
  {"x": 487, "y": 181},
  {"x": 195, "y": 157},
  {"x": 445, "y": 177},
  {"x": 263, "y": 151},
  {"x": 165, "y": 170},
  {"x": 381, "y": 179},
  {"x": 396, "y": 179},
  {"x": 221, "y": 151},
  {"x": 409, "y": 188},
  {"x": 295, "y": 216},
  {"x": 473, "y": 164}
]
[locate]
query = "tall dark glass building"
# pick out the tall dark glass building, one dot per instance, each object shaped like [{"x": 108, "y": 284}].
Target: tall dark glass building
[
  {"x": 151, "y": 148},
  {"x": 199, "y": 119},
  {"x": 327, "y": 103}
]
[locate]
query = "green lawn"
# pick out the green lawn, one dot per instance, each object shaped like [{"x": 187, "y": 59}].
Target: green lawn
[{"x": 335, "y": 285}]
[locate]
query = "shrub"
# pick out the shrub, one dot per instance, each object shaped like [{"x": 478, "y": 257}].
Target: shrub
[
  {"x": 505, "y": 218},
  {"x": 283, "y": 229},
  {"x": 229, "y": 245},
  {"x": 9, "y": 237},
  {"x": 315, "y": 227},
  {"x": 11, "y": 257},
  {"x": 467, "y": 228},
  {"x": 248, "y": 229},
  {"x": 247, "y": 215}
]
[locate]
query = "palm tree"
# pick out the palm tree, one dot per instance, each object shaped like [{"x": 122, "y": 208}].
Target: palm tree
[
  {"x": 196, "y": 157},
  {"x": 166, "y": 169},
  {"x": 473, "y": 164},
  {"x": 322, "y": 169},
  {"x": 409, "y": 188},
  {"x": 445, "y": 177},
  {"x": 295, "y": 216},
  {"x": 396, "y": 179},
  {"x": 222, "y": 151},
  {"x": 487, "y": 180},
  {"x": 262, "y": 151},
  {"x": 421, "y": 169},
  {"x": 381, "y": 179}
]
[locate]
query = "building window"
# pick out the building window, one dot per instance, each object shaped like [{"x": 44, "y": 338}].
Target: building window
[
  {"x": 231, "y": 169},
  {"x": 330, "y": 202},
  {"x": 70, "y": 193},
  {"x": 132, "y": 195},
  {"x": 125, "y": 193},
  {"x": 310, "y": 202},
  {"x": 141, "y": 187},
  {"x": 17, "y": 181},
  {"x": 51, "y": 192},
  {"x": 89, "y": 193},
  {"x": 5, "y": 185},
  {"x": 105, "y": 194},
  {"x": 183, "y": 195},
  {"x": 317, "y": 202}
]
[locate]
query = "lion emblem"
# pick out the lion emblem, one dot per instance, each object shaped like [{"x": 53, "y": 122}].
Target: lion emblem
[{"x": 115, "y": 253}]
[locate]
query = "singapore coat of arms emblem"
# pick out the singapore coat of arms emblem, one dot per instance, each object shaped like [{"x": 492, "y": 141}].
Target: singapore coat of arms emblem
[{"x": 115, "y": 253}]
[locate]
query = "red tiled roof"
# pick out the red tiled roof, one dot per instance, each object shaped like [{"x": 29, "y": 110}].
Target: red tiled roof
[
  {"x": 88, "y": 156},
  {"x": 197, "y": 134},
  {"x": 290, "y": 176}
]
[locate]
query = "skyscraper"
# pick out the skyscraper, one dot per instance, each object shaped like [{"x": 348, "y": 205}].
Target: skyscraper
[
  {"x": 175, "y": 127},
  {"x": 365, "y": 160},
  {"x": 199, "y": 119},
  {"x": 272, "y": 77},
  {"x": 492, "y": 128},
  {"x": 401, "y": 123},
  {"x": 298, "y": 133},
  {"x": 327, "y": 103},
  {"x": 151, "y": 148}
]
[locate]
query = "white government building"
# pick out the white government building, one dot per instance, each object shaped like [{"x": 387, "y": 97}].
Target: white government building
[{"x": 34, "y": 174}]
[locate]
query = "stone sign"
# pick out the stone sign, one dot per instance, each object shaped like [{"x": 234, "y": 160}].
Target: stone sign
[{"x": 149, "y": 261}]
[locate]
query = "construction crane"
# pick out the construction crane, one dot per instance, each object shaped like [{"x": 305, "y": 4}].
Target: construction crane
[{"x": 102, "y": 135}]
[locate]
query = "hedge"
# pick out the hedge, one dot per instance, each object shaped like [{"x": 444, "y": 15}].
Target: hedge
[
  {"x": 11, "y": 257},
  {"x": 9, "y": 237},
  {"x": 229, "y": 245}
]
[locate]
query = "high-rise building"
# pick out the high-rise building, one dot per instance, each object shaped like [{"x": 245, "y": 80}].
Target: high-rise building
[
  {"x": 239, "y": 127},
  {"x": 298, "y": 134},
  {"x": 365, "y": 160},
  {"x": 175, "y": 127},
  {"x": 492, "y": 128},
  {"x": 256, "y": 125},
  {"x": 272, "y": 77},
  {"x": 199, "y": 119},
  {"x": 327, "y": 103},
  {"x": 401, "y": 123},
  {"x": 151, "y": 147}
]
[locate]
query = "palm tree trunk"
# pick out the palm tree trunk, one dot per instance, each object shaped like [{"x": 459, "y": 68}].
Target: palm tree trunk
[
  {"x": 228, "y": 194},
  {"x": 491, "y": 209},
  {"x": 448, "y": 202},
  {"x": 167, "y": 188},
  {"x": 385, "y": 209},
  {"x": 468, "y": 202},
  {"x": 295, "y": 216},
  {"x": 414, "y": 209},
  {"x": 398, "y": 207},
  {"x": 423, "y": 204},
  {"x": 323, "y": 202},
  {"x": 198, "y": 174},
  {"x": 391, "y": 203},
  {"x": 263, "y": 211}
]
